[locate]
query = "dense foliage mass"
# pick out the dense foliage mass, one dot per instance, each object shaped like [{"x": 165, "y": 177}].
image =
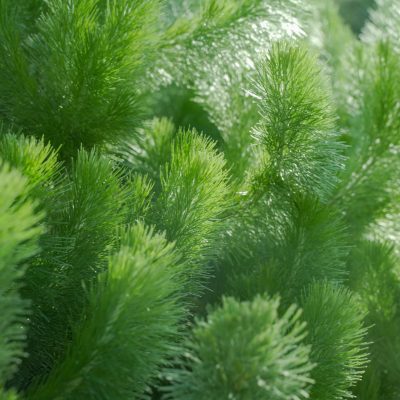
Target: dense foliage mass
[{"x": 199, "y": 200}]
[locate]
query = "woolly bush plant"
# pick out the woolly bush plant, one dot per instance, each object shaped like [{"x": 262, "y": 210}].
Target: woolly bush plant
[{"x": 199, "y": 200}]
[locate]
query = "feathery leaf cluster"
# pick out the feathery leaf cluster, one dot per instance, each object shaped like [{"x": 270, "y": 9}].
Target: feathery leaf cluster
[
  {"x": 245, "y": 350},
  {"x": 72, "y": 73},
  {"x": 131, "y": 323},
  {"x": 199, "y": 199},
  {"x": 19, "y": 233},
  {"x": 296, "y": 127}
]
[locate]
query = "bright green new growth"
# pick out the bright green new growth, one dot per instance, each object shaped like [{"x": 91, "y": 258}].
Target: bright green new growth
[
  {"x": 19, "y": 233},
  {"x": 245, "y": 351},
  {"x": 131, "y": 323},
  {"x": 296, "y": 128},
  {"x": 190, "y": 186},
  {"x": 193, "y": 196},
  {"x": 33, "y": 158}
]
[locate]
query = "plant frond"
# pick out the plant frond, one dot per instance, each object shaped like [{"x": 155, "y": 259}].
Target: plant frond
[
  {"x": 296, "y": 129},
  {"x": 245, "y": 351},
  {"x": 338, "y": 340},
  {"x": 19, "y": 233},
  {"x": 193, "y": 198},
  {"x": 76, "y": 79},
  {"x": 130, "y": 327}
]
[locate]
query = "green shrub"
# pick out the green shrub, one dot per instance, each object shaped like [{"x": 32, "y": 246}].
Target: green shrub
[{"x": 199, "y": 200}]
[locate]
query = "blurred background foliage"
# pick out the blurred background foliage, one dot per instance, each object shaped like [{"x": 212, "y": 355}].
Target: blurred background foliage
[{"x": 355, "y": 12}]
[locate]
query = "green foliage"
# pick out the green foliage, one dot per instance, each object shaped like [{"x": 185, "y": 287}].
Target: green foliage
[
  {"x": 84, "y": 59},
  {"x": 39, "y": 163},
  {"x": 193, "y": 196},
  {"x": 8, "y": 395},
  {"x": 372, "y": 160},
  {"x": 132, "y": 315},
  {"x": 140, "y": 195},
  {"x": 90, "y": 206},
  {"x": 211, "y": 48},
  {"x": 296, "y": 127},
  {"x": 159, "y": 156},
  {"x": 337, "y": 48},
  {"x": 311, "y": 246},
  {"x": 375, "y": 277},
  {"x": 337, "y": 338},
  {"x": 19, "y": 232},
  {"x": 293, "y": 238},
  {"x": 245, "y": 351},
  {"x": 150, "y": 150},
  {"x": 383, "y": 24},
  {"x": 94, "y": 206},
  {"x": 35, "y": 159},
  {"x": 355, "y": 12}
]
